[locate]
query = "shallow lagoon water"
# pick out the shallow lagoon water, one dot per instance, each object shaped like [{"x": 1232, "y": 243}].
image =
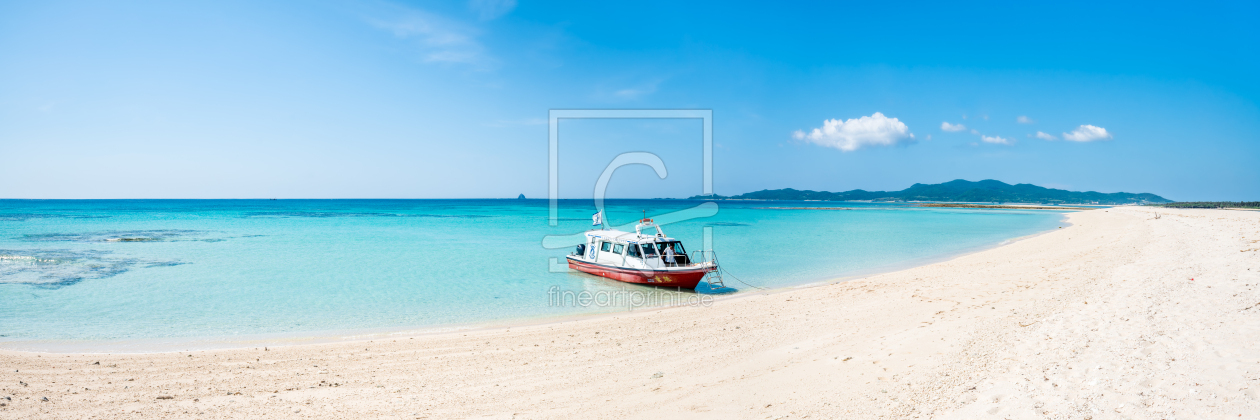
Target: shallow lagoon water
[{"x": 107, "y": 270}]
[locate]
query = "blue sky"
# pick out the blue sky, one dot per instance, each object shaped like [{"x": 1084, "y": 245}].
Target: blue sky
[{"x": 224, "y": 99}]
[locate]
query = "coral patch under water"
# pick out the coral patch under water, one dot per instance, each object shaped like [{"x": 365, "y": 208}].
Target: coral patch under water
[
  {"x": 169, "y": 235},
  {"x": 22, "y": 217},
  {"x": 55, "y": 268},
  {"x": 322, "y": 214}
]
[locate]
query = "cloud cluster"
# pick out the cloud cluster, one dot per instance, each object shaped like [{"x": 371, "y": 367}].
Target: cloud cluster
[
  {"x": 995, "y": 140},
  {"x": 1086, "y": 133},
  {"x": 879, "y": 130},
  {"x": 640, "y": 90},
  {"x": 856, "y": 133},
  {"x": 441, "y": 40}
]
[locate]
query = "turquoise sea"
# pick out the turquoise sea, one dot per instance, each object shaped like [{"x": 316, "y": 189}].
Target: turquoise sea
[{"x": 118, "y": 273}]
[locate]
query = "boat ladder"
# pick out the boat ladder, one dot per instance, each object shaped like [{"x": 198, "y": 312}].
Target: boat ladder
[{"x": 713, "y": 277}]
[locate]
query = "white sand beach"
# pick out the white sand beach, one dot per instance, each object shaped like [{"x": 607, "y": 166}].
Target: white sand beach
[{"x": 1120, "y": 315}]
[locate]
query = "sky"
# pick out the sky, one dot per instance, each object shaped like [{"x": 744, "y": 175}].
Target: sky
[{"x": 419, "y": 99}]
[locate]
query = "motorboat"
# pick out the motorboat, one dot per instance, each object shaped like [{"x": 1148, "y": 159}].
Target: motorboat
[{"x": 650, "y": 258}]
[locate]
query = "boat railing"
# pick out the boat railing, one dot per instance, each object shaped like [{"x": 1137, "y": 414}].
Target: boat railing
[
  {"x": 680, "y": 260},
  {"x": 677, "y": 261},
  {"x": 703, "y": 256}
]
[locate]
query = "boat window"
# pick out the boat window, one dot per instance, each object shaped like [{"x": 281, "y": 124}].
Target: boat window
[
  {"x": 649, "y": 251},
  {"x": 617, "y": 248},
  {"x": 677, "y": 246},
  {"x": 633, "y": 251},
  {"x": 605, "y": 247}
]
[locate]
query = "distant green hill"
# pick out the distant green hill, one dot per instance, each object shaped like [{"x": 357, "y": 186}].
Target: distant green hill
[{"x": 959, "y": 190}]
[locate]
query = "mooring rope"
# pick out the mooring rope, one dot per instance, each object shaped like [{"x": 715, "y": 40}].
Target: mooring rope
[{"x": 728, "y": 272}]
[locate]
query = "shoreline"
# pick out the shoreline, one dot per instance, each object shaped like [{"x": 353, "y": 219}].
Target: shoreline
[
  {"x": 248, "y": 341},
  {"x": 1003, "y": 206},
  {"x": 1119, "y": 315},
  {"x": 926, "y": 261}
]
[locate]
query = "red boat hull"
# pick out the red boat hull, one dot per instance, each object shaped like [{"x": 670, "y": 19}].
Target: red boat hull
[{"x": 686, "y": 279}]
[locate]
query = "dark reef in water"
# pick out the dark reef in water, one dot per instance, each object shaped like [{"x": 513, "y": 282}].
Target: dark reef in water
[
  {"x": 57, "y": 268},
  {"x": 324, "y": 214},
  {"x": 168, "y": 235},
  {"x": 22, "y": 217}
]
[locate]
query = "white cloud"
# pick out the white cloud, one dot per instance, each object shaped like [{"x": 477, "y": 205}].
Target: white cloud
[
  {"x": 620, "y": 91},
  {"x": 995, "y": 140},
  {"x": 856, "y": 133},
  {"x": 440, "y": 40},
  {"x": 946, "y": 126},
  {"x": 1023, "y": 119},
  {"x": 1045, "y": 136},
  {"x": 491, "y": 9},
  {"x": 635, "y": 92},
  {"x": 1087, "y": 133},
  {"x": 973, "y": 131}
]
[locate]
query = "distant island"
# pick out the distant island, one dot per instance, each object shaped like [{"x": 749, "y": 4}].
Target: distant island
[{"x": 959, "y": 190}]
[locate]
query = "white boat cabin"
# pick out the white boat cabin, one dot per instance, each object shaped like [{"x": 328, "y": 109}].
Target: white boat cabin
[{"x": 635, "y": 250}]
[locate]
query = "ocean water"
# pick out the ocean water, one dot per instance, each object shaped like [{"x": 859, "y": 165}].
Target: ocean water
[{"x": 112, "y": 271}]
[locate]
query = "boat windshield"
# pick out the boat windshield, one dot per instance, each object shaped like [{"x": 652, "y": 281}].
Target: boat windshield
[
  {"x": 677, "y": 246},
  {"x": 649, "y": 251}
]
